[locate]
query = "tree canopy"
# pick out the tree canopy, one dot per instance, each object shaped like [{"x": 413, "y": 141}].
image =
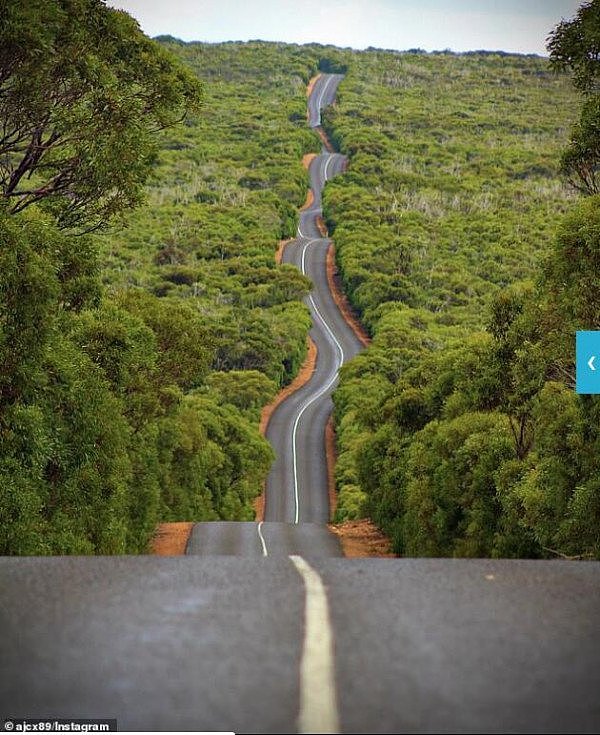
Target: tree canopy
[
  {"x": 458, "y": 429},
  {"x": 135, "y": 362},
  {"x": 83, "y": 93},
  {"x": 574, "y": 46}
]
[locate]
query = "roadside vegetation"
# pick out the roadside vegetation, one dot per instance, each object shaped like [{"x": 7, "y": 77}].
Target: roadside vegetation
[
  {"x": 137, "y": 347},
  {"x": 144, "y": 188},
  {"x": 472, "y": 263}
]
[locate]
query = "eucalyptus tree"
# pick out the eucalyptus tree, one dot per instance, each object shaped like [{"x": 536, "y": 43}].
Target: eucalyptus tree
[{"x": 83, "y": 93}]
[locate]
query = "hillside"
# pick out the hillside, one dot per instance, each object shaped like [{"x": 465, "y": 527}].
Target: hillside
[
  {"x": 246, "y": 287},
  {"x": 184, "y": 327},
  {"x": 453, "y": 194},
  {"x": 142, "y": 356},
  {"x": 459, "y": 430}
]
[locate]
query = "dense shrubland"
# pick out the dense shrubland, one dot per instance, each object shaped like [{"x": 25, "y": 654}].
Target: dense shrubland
[
  {"x": 134, "y": 363},
  {"x": 224, "y": 191},
  {"x": 107, "y": 424},
  {"x": 459, "y": 430}
]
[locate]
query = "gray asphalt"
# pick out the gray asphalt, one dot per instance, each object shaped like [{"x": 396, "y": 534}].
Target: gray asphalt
[
  {"x": 323, "y": 94},
  {"x": 216, "y": 640},
  {"x": 263, "y": 539},
  {"x": 214, "y": 643},
  {"x": 297, "y": 486}
]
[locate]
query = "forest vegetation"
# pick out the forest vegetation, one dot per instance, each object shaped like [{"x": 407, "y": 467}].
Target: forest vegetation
[
  {"x": 144, "y": 188},
  {"x": 463, "y": 247},
  {"x": 138, "y": 347}
]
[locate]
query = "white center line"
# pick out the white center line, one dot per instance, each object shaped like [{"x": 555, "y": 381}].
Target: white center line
[
  {"x": 327, "y": 162},
  {"x": 315, "y": 396},
  {"x": 327, "y": 83},
  {"x": 318, "y": 697},
  {"x": 324, "y": 159},
  {"x": 262, "y": 539}
]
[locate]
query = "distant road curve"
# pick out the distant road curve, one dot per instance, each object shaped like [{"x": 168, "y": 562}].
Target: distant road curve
[
  {"x": 297, "y": 489},
  {"x": 297, "y": 485}
]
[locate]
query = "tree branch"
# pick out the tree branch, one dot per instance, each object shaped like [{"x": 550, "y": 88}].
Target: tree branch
[{"x": 575, "y": 557}]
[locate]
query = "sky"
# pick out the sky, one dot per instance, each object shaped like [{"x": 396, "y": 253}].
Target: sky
[{"x": 519, "y": 26}]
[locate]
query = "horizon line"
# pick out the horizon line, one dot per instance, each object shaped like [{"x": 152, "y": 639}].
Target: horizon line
[{"x": 417, "y": 51}]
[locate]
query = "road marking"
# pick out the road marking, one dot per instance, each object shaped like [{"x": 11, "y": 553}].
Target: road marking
[
  {"x": 310, "y": 298},
  {"x": 324, "y": 159},
  {"x": 317, "y": 395},
  {"x": 327, "y": 162},
  {"x": 324, "y": 166},
  {"x": 262, "y": 539},
  {"x": 294, "y": 431},
  {"x": 327, "y": 327},
  {"x": 327, "y": 83},
  {"x": 318, "y": 698}
]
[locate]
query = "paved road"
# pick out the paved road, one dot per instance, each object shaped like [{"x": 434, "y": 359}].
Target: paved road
[
  {"x": 297, "y": 490},
  {"x": 232, "y": 638},
  {"x": 262, "y": 539},
  {"x": 323, "y": 95},
  {"x": 297, "y": 486},
  {"x": 219, "y": 643}
]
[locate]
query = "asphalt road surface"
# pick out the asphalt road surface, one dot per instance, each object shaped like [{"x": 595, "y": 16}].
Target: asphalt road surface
[
  {"x": 297, "y": 488},
  {"x": 297, "y": 485},
  {"x": 322, "y": 95},
  {"x": 221, "y": 643},
  {"x": 262, "y": 539}
]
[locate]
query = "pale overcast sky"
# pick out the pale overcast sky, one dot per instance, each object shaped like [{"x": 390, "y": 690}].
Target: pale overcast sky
[{"x": 461, "y": 25}]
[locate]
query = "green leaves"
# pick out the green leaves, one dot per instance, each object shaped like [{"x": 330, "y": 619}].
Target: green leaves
[
  {"x": 82, "y": 95},
  {"x": 249, "y": 390},
  {"x": 138, "y": 400},
  {"x": 451, "y": 498},
  {"x": 459, "y": 441},
  {"x": 570, "y": 275},
  {"x": 575, "y": 46}
]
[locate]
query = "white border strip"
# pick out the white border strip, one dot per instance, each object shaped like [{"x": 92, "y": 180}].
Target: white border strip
[
  {"x": 317, "y": 395},
  {"x": 327, "y": 83}
]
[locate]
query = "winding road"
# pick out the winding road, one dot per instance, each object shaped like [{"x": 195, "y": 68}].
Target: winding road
[
  {"x": 261, "y": 629},
  {"x": 297, "y": 487}
]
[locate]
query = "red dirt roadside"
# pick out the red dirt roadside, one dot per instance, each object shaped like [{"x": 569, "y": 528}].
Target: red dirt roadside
[
  {"x": 361, "y": 539},
  {"x": 170, "y": 539},
  {"x": 311, "y": 84},
  {"x": 307, "y": 159},
  {"x": 340, "y": 299}
]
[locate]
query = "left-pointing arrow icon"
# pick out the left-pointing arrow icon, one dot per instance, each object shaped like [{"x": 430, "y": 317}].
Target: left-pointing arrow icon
[{"x": 591, "y": 362}]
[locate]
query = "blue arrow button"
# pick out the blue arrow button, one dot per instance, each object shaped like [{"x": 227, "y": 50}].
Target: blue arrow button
[{"x": 587, "y": 362}]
